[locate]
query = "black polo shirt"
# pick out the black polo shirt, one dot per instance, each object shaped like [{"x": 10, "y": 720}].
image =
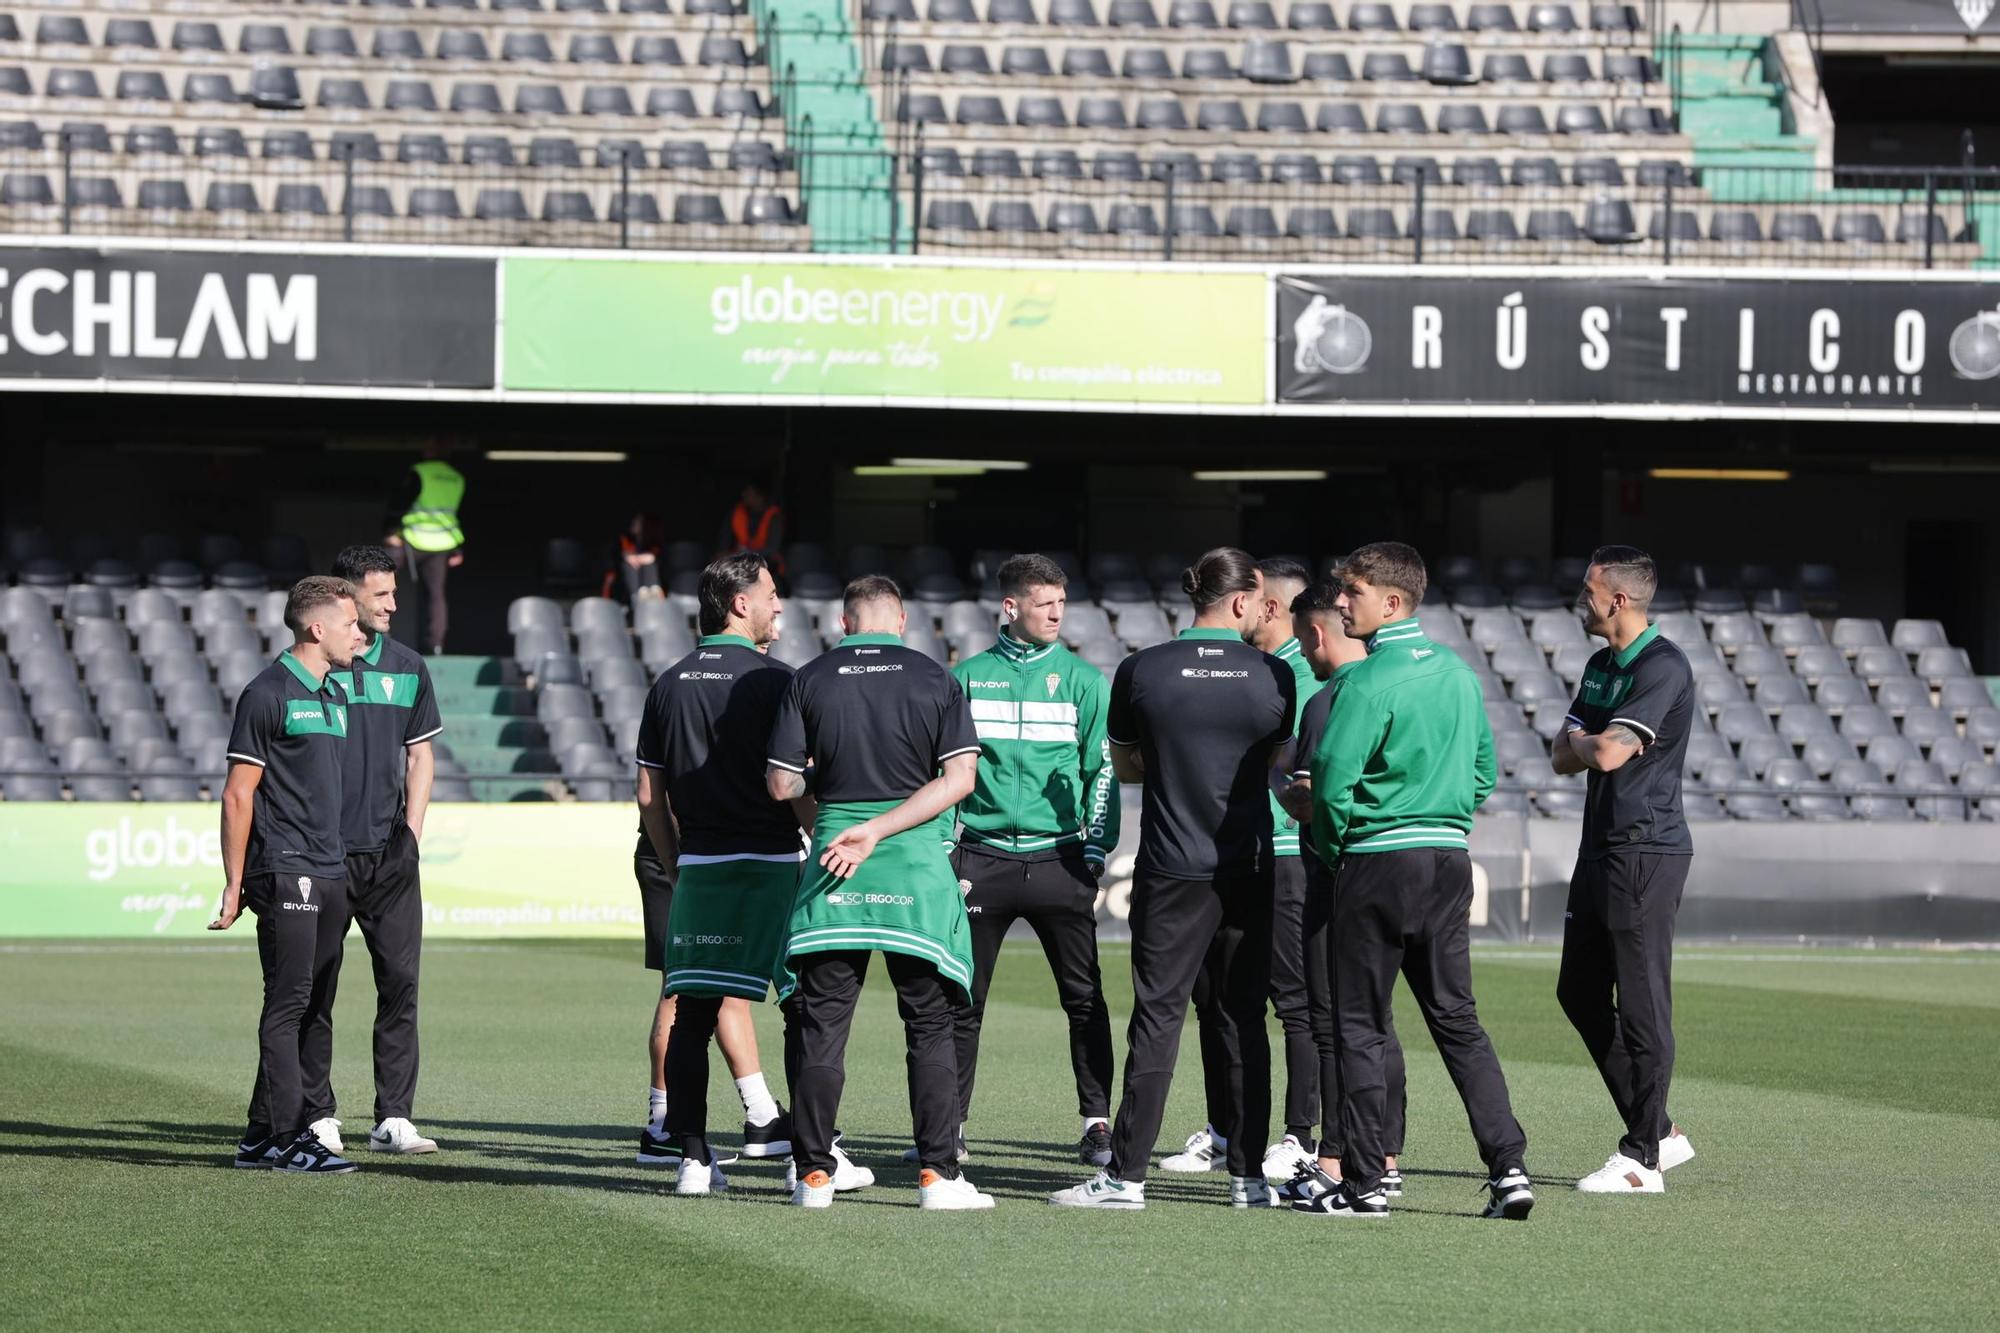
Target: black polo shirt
[
  {"x": 1649, "y": 688},
  {"x": 292, "y": 725},
  {"x": 705, "y": 727},
  {"x": 877, "y": 720},
  {"x": 391, "y": 706},
  {"x": 1205, "y": 711}
]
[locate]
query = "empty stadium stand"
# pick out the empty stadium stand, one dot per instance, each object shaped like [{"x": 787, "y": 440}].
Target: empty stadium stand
[{"x": 1250, "y": 129}]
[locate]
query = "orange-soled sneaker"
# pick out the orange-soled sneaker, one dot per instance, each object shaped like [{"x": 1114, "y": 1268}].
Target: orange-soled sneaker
[
  {"x": 956, "y": 1195},
  {"x": 814, "y": 1190}
]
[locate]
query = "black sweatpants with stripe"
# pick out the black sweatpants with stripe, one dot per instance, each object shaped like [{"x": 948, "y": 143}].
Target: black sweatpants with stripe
[
  {"x": 1616, "y": 984},
  {"x": 300, "y": 923},
  {"x": 1410, "y": 911}
]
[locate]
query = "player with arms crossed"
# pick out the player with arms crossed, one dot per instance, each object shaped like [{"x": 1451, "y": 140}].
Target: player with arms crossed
[
  {"x": 1629, "y": 729},
  {"x": 891, "y": 745}
]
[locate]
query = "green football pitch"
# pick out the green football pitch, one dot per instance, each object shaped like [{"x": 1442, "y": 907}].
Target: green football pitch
[{"x": 1845, "y": 1106}]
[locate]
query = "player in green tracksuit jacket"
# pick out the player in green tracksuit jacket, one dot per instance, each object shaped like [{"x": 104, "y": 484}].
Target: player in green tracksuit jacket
[
  {"x": 1041, "y": 819},
  {"x": 1406, "y": 758}
]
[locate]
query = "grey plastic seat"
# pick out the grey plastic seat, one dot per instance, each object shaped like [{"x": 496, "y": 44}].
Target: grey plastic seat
[
  {"x": 232, "y": 197},
  {"x": 1567, "y": 67},
  {"x": 1281, "y": 117},
  {"x": 287, "y": 145},
  {"x": 1858, "y": 228},
  {"x": 1160, "y": 113},
  {"x": 703, "y": 210},
  {"x": 1372, "y": 224},
  {"x": 1586, "y": 119},
  {"x": 1408, "y": 169},
  {"x": 567, "y": 206},
  {"x": 1505, "y": 67},
  {"x": 1072, "y": 14},
  {"x": 1551, "y": 18},
  {"x": 1350, "y": 169},
  {"x": 75, "y": 83},
  {"x": 1181, "y": 164},
  {"x": 432, "y": 201},
  {"x": 1797, "y": 228},
  {"x": 1012, "y": 216},
  {"x": 1682, "y": 226},
  {"x": 1401, "y": 118},
  {"x": 950, "y": 215},
  {"x": 980, "y": 109},
  {"x": 1236, "y": 169},
  {"x": 299, "y": 199},
  {"x": 1038, "y": 111},
  {"x": 1266, "y": 61},
  {"x": 769, "y": 210},
  {"x": 1387, "y": 67},
  {"x": 542, "y": 99},
  {"x": 132, "y": 33},
  {"x": 1642, "y": 120},
  {"x": 1008, "y": 11},
  {"x": 997, "y": 163},
  {"x": 964, "y": 58},
  {"x": 1116, "y": 164},
  {"x": 1133, "y": 14},
  {"x": 142, "y": 85},
  {"x": 1057, "y": 163},
  {"x": 482, "y": 98},
  {"x": 1310, "y": 16},
  {"x": 1250, "y": 221},
  {"x": 1296, "y": 169},
  {"x": 1521, "y": 119},
  {"x": 1465, "y": 119},
  {"x": 1197, "y": 220},
  {"x": 1610, "y": 222},
  {"x": 1448, "y": 64},
  {"x": 1491, "y": 225},
  {"x": 1074, "y": 218},
  {"x": 1630, "y": 67},
  {"x": 1207, "y": 62},
  {"x": 655, "y": 49},
  {"x": 192, "y": 35},
  {"x": 1328, "y": 67},
  {"x": 410, "y": 95},
  {"x": 1192, "y": 14},
  {"x": 1372, "y": 18}
]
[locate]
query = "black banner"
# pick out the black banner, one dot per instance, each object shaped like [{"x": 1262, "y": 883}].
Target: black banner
[
  {"x": 255, "y": 318},
  {"x": 1846, "y": 343},
  {"x": 1947, "y": 17}
]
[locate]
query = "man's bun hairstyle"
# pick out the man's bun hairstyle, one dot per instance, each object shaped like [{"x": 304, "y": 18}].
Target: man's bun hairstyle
[{"x": 1220, "y": 573}]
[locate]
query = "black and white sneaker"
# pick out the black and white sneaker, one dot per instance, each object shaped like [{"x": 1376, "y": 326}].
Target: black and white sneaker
[
  {"x": 1308, "y": 1182},
  {"x": 1511, "y": 1196},
  {"x": 1342, "y": 1201},
  {"x": 772, "y": 1140},
  {"x": 1392, "y": 1183},
  {"x": 261, "y": 1155},
  {"x": 1094, "y": 1148},
  {"x": 307, "y": 1156},
  {"x": 657, "y": 1149}
]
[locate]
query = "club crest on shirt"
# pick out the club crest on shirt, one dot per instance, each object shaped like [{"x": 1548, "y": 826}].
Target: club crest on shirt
[
  {"x": 305, "y": 888},
  {"x": 388, "y": 686},
  {"x": 1053, "y": 681}
]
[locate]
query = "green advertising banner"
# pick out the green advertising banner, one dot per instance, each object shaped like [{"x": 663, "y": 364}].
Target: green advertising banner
[
  {"x": 489, "y": 871},
  {"x": 809, "y": 331}
]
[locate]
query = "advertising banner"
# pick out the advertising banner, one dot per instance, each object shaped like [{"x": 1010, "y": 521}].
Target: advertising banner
[
  {"x": 727, "y": 328},
  {"x": 1943, "y": 17},
  {"x": 245, "y": 318},
  {"x": 155, "y": 871},
  {"x": 1732, "y": 342}
]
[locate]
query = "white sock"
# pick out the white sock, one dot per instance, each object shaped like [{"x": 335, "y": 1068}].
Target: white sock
[
  {"x": 1090, "y": 1120},
  {"x": 759, "y": 1107},
  {"x": 1220, "y": 1142},
  {"x": 656, "y": 1107}
]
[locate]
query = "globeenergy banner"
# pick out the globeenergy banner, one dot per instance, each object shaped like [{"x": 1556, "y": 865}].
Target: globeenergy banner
[
  {"x": 810, "y": 331},
  {"x": 1732, "y": 342},
  {"x": 155, "y": 871}
]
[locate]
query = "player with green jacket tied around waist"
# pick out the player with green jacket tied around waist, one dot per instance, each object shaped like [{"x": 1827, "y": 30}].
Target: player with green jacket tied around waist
[
  {"x": 889, "y": 741},
  {"x": 1406, "y": 757},
  {"x": 1042, "y": 816}
]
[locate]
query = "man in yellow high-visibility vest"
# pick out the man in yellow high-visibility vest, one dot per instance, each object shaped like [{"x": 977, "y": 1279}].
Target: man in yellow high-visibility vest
[{"x": 427, "y": 539}]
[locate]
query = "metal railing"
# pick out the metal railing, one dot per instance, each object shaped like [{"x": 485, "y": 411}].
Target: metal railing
[{"x": 954, "y": 194}]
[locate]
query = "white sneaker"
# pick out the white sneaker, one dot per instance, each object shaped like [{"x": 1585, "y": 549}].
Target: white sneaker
[
  {"x": 1251, "y": 1192},
  {"x": 1205, "y": 1149},
  {"x": 700, "y": 1178},
  {"x": 327, "y": 1131},
  {"x": 847, "y": 1177},
  {"x": 398, "y": 1135},
  {"x": 1101, "y": 1191},
  {"x": 815, "y": 1191},
  {"x": 936, "y": 1194},
  {"x": 1675, "y": 1150},
  {"x": 1283, "y": 1158},
  {"x": 1622, "y": 1175}
]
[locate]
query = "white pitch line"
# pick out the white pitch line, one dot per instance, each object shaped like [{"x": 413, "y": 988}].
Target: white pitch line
[
  {"x": 1925, "y": 959},
  {"x": 217, "y": 948}
]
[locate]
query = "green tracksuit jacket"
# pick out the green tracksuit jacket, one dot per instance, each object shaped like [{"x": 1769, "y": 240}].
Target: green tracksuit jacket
[
  {"x": 1407, "y": 755},
  {"x": 1045, "y": 778}
]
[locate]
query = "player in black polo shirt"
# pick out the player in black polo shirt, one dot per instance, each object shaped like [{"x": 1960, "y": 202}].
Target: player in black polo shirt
[
  {"x": 1629, "y": 729},
  {"x": 736, "y": 853},
  {"x": 1199, "y": 721},
  {"x": 282, "y": 857},
  {"x": 387, "y": 764},
  {"x": 891, "y": 742}
]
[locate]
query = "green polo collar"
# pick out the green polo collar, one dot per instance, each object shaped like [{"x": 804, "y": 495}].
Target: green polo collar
[
  {"x": 299, "y": 669},
  {"x": 1396, "y": 631},
  {"x": 1634, "y": 648},
  {"x": 1209, "y": 632},
  {"x": 1020, "y": 653},
  {"x": 853, "y": 639},
  {"x": 373, "y": 656},
  {"x": 715, "y": 640},
  {"x": 1287, "y": 650}
]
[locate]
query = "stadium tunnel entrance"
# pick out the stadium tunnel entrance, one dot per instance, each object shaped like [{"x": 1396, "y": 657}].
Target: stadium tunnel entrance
[{"x": 1896, "y": 520}]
